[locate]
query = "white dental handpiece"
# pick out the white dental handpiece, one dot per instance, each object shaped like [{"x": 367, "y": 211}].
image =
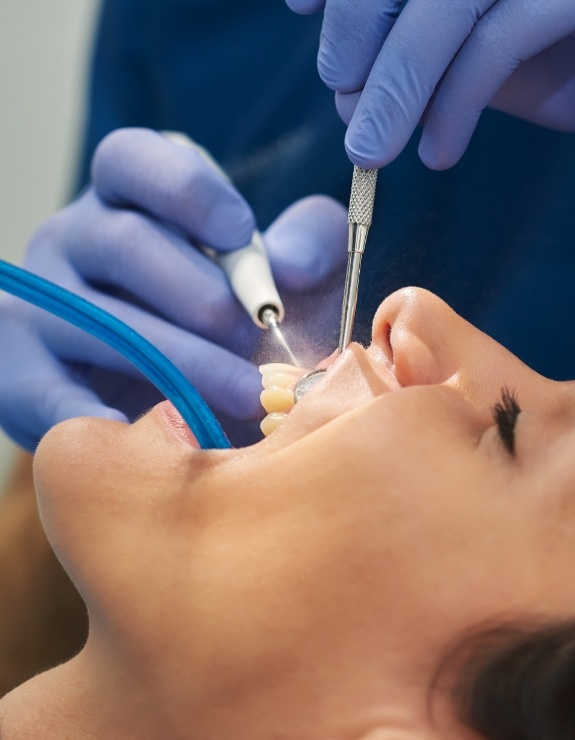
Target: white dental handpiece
[{"x": 247, "y": 268}]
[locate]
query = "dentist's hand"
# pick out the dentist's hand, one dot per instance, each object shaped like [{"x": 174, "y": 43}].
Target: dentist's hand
[
  {"x": 127, "y": 245},
  {"x": 441, "y": 62}
]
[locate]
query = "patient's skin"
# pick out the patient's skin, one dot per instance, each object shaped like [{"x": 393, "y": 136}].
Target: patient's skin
[{"x": 306, "y": 588}]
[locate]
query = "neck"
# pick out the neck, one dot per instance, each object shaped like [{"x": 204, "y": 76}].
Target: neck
[
  {"x": 48, "y": 705},
  {"x": 93, "y": 697},
  {"x": 74, "y": 702}
]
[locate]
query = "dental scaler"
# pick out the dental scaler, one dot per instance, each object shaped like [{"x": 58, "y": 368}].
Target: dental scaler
[
  {"x": 247, "y": 268},
  {"x": 359, "y": 219}
]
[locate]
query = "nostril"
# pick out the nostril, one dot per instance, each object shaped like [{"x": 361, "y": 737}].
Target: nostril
[
  {"x": 387, "y": 345},
  {"x": 412, "y": 361}
]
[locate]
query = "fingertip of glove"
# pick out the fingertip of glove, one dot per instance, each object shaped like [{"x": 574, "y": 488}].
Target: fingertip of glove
[
  {"x": 345, "y": 104},
  {"x": 436, "y": 157},
  {"x": 307, "y": 240},
  {"x": 305, "y": 7},
  {"x": 113, "y": 146},
  {"x": 231, "y": 225},
  {"x": 364, "y": 152}
]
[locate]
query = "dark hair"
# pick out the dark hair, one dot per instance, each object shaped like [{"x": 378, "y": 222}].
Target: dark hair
[{"x": 516, "y": 681}]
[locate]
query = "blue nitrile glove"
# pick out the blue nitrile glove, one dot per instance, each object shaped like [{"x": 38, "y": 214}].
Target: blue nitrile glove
[
  {"x": 441, "y": 62},
  {"x": 127, "y": 245}
]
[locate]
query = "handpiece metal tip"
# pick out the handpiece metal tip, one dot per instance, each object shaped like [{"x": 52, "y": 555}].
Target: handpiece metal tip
[{"x": 269, "y": 316}]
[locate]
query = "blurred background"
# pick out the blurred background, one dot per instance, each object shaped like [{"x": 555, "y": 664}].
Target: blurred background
[{"x": 44, "y": 46}]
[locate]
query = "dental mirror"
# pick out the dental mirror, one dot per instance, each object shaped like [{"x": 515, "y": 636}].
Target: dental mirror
[{"x": 307, "y": 382}]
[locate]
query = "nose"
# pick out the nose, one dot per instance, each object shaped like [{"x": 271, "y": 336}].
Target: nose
[
  {"x": 426, "y": 342},
  {"x": 424, "y": 339}
]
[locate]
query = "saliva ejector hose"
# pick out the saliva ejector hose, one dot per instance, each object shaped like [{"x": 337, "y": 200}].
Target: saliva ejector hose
[{"x": 148, "y": 359}]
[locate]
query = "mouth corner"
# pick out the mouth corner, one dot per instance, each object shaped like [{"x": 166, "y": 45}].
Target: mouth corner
[{"x": 171, "y": 420}]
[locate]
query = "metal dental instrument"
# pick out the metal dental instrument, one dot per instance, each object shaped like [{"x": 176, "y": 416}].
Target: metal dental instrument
[
  {"x": 249, "y": 272},
  {"x": 359, "y": 219},
  {"x": 307, "y": 382},
  {"x": 247, "y": 268},
  {"x": 270, "y": 318}
]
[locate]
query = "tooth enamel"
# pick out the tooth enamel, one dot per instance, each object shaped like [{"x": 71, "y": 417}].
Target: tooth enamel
[
  {"x": 271, "y": 422},
  {"x": 280, "y": 367},
  {"x": 277, "y": 398},
  {"x": 285, "y": 380}
]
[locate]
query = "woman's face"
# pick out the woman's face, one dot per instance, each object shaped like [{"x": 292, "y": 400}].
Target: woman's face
[{"x": 313, "y": 580}]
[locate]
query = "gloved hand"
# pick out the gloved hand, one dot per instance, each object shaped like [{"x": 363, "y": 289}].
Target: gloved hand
[
  {"x": 127, "y": 245},
  {"x": 441, "y": 62}
]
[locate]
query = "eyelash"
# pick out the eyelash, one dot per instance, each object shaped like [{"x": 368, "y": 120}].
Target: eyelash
[{"x": 505, "y": 413}]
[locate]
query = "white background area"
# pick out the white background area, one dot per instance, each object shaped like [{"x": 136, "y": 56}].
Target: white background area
[{"x": 44, "y": 47}]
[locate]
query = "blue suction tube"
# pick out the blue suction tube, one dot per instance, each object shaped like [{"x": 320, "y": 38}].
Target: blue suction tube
[{"x": 141, "y": 353}]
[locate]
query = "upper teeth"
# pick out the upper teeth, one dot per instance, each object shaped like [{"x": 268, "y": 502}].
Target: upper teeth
[{"x": 277, "y": 398}]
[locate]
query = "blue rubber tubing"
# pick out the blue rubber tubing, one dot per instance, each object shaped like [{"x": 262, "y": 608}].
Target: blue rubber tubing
[{"x": 139, "y": 351}]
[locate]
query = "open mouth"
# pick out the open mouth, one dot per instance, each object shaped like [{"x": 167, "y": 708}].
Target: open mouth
[{"x": 353, "y": 378}]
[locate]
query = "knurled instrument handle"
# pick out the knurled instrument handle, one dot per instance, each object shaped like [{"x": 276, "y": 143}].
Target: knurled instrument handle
[{"x": 362, "y": 196}]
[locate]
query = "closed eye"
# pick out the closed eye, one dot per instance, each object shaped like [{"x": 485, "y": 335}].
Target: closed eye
[{"x": 505, "y": 412}]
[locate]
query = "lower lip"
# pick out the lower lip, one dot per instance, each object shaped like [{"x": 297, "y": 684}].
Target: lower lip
[{"x": 171, "y": 419}]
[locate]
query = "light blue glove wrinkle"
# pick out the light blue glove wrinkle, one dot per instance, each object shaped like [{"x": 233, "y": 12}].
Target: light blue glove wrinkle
[{"x": 143, "y": 169}]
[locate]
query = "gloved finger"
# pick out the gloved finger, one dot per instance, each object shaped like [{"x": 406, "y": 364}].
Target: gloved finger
[
  {"x": 405, "y": 74},
  {"x": 229, "y": 383},
  {"x": 345, "y": 104},
  {"x": 307, "y": 244},
  {"x": 128, "y": 250},
  {"x": 512, "y": 31},
  {"x": 305, "y": 7},
  {"x": 37, "y": 391},
  {"x": 542, "y": 89},
  {"x": 142, "y": 169},
  {"x": 351, "y": 38}
]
